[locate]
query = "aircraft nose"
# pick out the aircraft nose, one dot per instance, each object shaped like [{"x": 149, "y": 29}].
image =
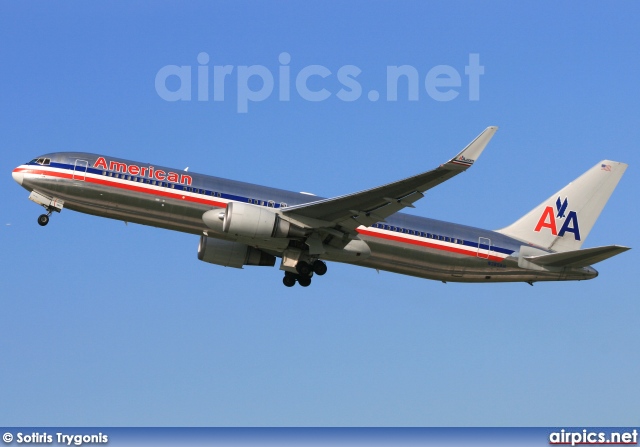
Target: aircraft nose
[{"x": 17, "y": 176}]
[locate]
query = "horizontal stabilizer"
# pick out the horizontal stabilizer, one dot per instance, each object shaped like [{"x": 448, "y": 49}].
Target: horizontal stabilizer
[{"x": 578, "y": 258}]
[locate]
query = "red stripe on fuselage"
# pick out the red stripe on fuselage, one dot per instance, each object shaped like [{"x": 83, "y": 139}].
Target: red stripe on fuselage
[
  {"x": 43, "y": 172},
  {"x": 427, "y": 244},
  {"x": 128, "y": 187},
  {"x": 179, "y": 196}
]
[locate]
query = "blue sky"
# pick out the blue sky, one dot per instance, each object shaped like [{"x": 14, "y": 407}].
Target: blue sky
[{"x": 111, "y": 324}]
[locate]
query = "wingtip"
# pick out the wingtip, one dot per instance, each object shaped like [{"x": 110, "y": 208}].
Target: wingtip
[{"x": 473, "y": 150}]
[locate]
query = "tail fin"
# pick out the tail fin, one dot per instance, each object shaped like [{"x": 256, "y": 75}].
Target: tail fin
[{"x": 563, "y": 221}]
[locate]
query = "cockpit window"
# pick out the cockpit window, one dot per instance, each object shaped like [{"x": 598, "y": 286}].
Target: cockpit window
[{"x": 42, "y": 161}]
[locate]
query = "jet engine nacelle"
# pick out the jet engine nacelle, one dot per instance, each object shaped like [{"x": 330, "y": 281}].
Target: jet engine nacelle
[
  {"x": 232, "y": 254},
  {"x": 253, "y": 221}
]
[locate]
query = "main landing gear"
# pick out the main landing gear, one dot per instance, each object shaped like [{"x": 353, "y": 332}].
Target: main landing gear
[{"x": 305, "y": 272}]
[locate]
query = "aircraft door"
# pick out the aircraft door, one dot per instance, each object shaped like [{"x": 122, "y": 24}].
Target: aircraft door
[
  {"x": 80, "y": 170},
  {"x": 484, "y": 246}
]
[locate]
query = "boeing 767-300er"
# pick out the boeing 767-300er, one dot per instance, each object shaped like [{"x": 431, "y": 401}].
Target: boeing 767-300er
[{"x": 243, "y": 224}]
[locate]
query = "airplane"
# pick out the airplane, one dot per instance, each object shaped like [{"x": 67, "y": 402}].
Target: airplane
[{"x": 243, "y": 224}]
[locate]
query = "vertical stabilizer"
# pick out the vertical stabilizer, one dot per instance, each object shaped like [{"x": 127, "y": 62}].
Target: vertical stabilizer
[{"x": 563, "y": 221}]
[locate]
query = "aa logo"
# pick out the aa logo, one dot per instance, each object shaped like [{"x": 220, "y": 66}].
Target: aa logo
[{"x": 553, "y": 219}]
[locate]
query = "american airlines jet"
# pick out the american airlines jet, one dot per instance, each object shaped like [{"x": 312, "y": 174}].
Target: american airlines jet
[{"x": 243, "y": 224}]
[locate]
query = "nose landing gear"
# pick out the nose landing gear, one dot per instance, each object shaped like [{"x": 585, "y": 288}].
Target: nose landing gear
[
  {"x": 50, "y": 204},
  {"x": 43, "y": 219}
]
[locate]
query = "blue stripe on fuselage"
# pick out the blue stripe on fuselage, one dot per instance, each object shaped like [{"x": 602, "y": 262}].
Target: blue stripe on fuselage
[{"x": 398, "y": 220}]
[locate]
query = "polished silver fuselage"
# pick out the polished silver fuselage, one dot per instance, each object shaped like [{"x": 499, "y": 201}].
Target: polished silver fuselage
[{"x": 405, "y": 244}]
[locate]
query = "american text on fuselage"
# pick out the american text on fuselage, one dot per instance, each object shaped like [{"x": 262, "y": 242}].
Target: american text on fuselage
[{"x": 244, "y": 224}]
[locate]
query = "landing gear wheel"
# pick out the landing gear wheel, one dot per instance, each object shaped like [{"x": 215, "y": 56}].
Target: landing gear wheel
[
  {"x": 304, "y": 281},
  {"x": 43, "y": 219},
  {"x": 319, "y": 267},
  {"x": 289, "y": 281},
  {"x": 303, "y": 268}
]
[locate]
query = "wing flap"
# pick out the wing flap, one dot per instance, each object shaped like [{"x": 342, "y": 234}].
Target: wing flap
[{"x": 578, "y": 258}]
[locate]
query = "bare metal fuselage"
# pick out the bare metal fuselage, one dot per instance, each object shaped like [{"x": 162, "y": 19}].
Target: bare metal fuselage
[{"x": 403, "y": 244}]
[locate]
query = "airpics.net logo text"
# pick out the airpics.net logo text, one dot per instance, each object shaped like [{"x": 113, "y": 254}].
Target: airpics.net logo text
[{"x": 256, "y": 83}]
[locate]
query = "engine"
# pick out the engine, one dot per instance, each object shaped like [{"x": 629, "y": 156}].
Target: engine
[
  {"x": 253, "y": 221},
  {"x": 232, "y": 254}
]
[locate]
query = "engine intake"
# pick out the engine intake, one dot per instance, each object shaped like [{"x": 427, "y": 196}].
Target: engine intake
[{"x": 232, "y": 254}]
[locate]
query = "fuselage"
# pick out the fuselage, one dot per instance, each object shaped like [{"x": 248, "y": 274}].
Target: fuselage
[{"x": 176, "y": 200}]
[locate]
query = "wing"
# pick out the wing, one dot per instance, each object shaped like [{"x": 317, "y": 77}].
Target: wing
[{"x": 346, "y": 213}]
